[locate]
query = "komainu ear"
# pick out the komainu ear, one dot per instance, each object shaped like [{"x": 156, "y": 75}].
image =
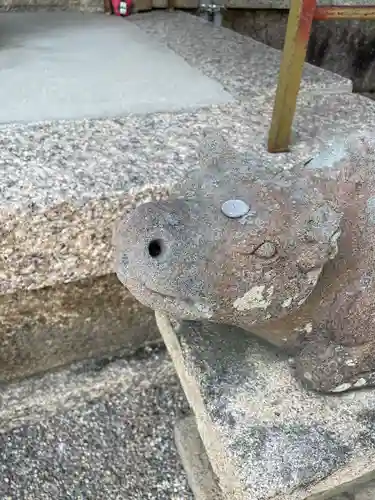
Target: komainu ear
[
  {"x": 215, "y": 151},
  {"x": 320, "y": 235},
  {"x": 322, "y": 224}
]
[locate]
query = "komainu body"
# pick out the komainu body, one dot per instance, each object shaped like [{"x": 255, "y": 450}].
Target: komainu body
[{"x": 296, "y": 269}]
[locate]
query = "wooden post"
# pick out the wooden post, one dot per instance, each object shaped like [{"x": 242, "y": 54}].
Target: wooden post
[
  {"x": 301, "y": 15},
  {"x": 293, "y": 58}
]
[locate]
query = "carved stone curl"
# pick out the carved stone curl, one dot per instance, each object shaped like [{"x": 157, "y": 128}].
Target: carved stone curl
[{"x": 296, "y": 267}]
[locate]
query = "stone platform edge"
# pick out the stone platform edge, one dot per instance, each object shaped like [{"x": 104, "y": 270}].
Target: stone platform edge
[
  {"x": 248, "y": 428},
  {"x": 60, "y": 230}
]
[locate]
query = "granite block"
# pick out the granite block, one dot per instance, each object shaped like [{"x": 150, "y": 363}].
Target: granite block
[
  {"x": 64, "y": 184},
  {"x": 49, "y": 327},
  {"x": 265, "y": 436},
  {"x": 203, "y": 481},
  {"x": 246, "y": 68},
  {"x": 201, "y": 478}
]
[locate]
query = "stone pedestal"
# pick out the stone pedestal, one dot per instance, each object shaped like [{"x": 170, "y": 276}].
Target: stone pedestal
[{"x": 264, "y": 436}]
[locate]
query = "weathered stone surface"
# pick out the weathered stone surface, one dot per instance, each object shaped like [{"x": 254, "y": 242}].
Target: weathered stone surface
[
  {"x": 189, "y": 444},
  {"x": 46, "y": 328},
  {"x": 265, "y": 436},
  {"x": 296, "y": 268},
  {"x": 245, "y": 68},
  {"x": 201, "y": 478}
]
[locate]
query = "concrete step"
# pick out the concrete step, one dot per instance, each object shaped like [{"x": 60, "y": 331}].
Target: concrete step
[
  {"x": 94, "y": 431},
  {"x": 65, "y": 182},
  {"x": 264, "y": 436}
]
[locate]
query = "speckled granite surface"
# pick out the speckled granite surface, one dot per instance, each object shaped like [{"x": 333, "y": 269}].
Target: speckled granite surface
[
  {"x": 265, "y": 436},
  {"x": 57, "y": 217},
  {"x": 203, "y": 482},
  {"x": 94, "y": 432},
  {"x": 50, "y": 327},
  {"x": 63, "y": 184},
  {"x": 246, "y": 68}
]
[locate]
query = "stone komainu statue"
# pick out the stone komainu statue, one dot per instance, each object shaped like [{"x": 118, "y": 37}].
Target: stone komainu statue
[{"x": 288, "y": 256}]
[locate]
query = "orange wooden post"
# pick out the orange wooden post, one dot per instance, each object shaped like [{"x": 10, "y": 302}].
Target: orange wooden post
[
  {"x": 293, "y": 58},
  {"x": 301, "y": 15}
]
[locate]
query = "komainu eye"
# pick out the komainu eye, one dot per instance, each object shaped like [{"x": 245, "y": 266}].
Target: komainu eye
[{"x": 266, "y": 250}]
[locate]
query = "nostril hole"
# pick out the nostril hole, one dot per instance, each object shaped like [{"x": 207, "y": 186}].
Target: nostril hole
[{"x": 155, "y": 248}]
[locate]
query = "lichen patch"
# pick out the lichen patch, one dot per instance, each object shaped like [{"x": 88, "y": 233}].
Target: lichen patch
[{"x": 257, "y": 297}]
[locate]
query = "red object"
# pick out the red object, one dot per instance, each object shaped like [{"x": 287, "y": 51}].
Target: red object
[{"x": 122, "y": 7}]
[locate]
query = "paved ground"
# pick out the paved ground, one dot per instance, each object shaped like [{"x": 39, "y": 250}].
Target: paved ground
[
  {"x": 107, "y": 433},
  {"x": 98, "y": 431},
  {"x": 56, "y": 65}
]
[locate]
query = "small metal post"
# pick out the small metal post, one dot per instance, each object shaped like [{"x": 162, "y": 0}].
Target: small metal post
[
  {"x": 212, "y": 12},
  {"x": 293, "y": 57},
  {"x": 218, "y": 16},
  {"x": 203, "y": 11}
]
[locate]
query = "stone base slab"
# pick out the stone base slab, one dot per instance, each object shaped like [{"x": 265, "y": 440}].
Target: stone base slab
[
  {"x": 264, "y": 435},
  {"x": 201, "y": 477},
  {"x": 204, "y": 483}
]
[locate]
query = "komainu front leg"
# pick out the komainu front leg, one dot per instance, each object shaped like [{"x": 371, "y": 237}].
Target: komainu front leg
[{"x": 328, "y": 367}]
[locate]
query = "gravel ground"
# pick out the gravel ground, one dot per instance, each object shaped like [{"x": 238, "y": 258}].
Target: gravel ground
[{"x": 116, "y": 446}]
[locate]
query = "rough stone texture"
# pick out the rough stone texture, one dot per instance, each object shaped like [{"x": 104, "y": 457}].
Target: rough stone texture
[
  {"x": 189, "y": 443},
  {"x": 63, "y": 184},
  {"x": 296, "y": 268},
  {"x": 45, "y": 328},
  {"x": 344, "y": 47},
  {"x": 94, "y": 431},
  {"x": 201, "y": 478},
  {"x": 245, "y": 68},
  {"x": 265, "y": 436}
]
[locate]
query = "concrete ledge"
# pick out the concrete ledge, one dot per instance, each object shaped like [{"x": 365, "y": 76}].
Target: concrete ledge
[
  {"x": 46, "y": 328},
  {"x": 266, "y": 437}
]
